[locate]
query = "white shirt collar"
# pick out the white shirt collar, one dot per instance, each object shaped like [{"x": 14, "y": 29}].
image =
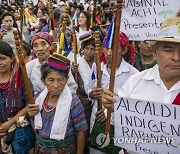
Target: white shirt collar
[
  {"x": 37, "y": 63},
  {"x": 153, "y": 74},
  {"x": 123, "y": 68}
]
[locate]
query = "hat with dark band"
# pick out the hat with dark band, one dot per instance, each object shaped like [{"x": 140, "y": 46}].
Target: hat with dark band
[
  {"x": 42, "y": 35},
  {"x": 85, "y": 37},
  {"x": 169, "y": 31}
]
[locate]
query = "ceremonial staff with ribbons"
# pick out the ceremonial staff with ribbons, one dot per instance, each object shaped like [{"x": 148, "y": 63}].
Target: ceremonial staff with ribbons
[
  {"x": 52, "y": 19},
  {"x": 114, "y": 56},
  {"x": 22, "y": 66},
  {"x": 21, "y": 56},
  {"x": 63, "y": 30}
]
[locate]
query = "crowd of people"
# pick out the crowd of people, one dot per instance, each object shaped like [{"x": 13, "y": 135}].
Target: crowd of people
[{"x": 65, "y": 114}]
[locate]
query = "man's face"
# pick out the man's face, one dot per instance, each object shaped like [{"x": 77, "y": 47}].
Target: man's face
[
  {"x": 42, "y": 49},
  {"x": 167, "y": 56},
  {"x": 106, "y": 10},
  {"x": 89, "y": 52},
  {"x": 8, "y": 20}
]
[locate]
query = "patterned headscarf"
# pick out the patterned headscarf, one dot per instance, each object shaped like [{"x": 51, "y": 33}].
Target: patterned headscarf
[
  {"x": 124, "y": 42},
  {"x": 42, "y": 35}
]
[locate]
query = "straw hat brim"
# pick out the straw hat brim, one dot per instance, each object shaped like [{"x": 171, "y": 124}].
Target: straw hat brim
[{"x": 161, "y": 39}]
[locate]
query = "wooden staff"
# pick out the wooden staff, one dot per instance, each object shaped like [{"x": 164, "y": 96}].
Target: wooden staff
[
  {"x": 52, "y": 19},
  {"x": 64, "y": 24},
  {"x": 98, "y": 63},
  {"x": 75, "y": 48},
  {"x": 114, "y": 58},
  {"x": 94, "y": 16},
  {"x": 21, "y": 20},
  {"x": 22, "y": 66}
]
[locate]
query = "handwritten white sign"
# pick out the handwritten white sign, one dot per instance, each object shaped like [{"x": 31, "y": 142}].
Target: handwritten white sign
[
  {"x": 147, "y": 127},
  {"x": 141, "y": 19}
]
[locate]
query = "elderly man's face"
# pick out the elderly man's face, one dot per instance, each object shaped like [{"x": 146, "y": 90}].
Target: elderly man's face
[
  {"x": 42, "y": 49},
  {"x": 167, "y": 56}
]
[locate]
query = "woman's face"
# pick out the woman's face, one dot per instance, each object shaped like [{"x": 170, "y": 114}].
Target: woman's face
[
  {"x": 55, "y": 83},
  {"x": 16, "y": 15},
  {"x": 82, "y": 19},
  {"x": 39, "y": 13},
  {"x": 5, "y": 63},
  {"x": 42, "y": 49},
  {"x": 8, "y": 20}
]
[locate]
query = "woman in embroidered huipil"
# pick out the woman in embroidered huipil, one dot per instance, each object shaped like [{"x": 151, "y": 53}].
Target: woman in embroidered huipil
[
  {"x": 59, "y": 116},
  {"x": 13, "y": 96}
]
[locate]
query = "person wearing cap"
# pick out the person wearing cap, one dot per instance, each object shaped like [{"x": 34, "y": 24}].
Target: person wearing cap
[
  {"x": 42, "y": 43},
  {"x": 59, "y": 118},
  {"x": 163, "y": 80},
  {"x": 123, "y": 71},
  {"x": 83, "y": 68}
]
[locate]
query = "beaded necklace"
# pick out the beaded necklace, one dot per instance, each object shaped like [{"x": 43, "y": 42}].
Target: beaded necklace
[
  {"x": 45, "y": 105},
  {"x": 8, "y": 83}
]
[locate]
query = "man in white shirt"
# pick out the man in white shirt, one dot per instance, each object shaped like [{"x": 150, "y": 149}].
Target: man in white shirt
[
  {"x": 42, "y": 43},
  {"x": 123, "y": 71},
  {"x": 162, "y": 82}
]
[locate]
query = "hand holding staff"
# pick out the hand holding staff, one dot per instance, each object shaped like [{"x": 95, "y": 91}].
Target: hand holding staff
[
  {"x": 114, "y": 58},
  {"x": 98, "y": 64},
  {"x": 22, "y": 66},
  {"x": 75, "y": 48}
]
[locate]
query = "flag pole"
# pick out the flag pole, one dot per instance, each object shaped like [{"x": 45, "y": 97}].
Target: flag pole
[
  {"x": 75, "y": 48},
  {"x": 114, "y": 59}
]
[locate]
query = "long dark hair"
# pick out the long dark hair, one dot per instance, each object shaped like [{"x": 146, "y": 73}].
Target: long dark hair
[
  {"x": 6, "y": 49},
  {"x": 88, "y": 22}
]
